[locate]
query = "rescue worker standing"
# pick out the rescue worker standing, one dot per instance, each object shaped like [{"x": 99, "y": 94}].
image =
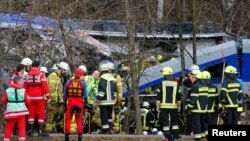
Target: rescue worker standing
[
  {"x": 17, "y": 101},
  {"x": 55, "y": 109},
  {"x": 146, "y": 116},
  {"x": 27, "y": 62},
  {"x": 36, "y": 86},
  {"x": 75, "y": 96},
  {"x": 229, "y": 94},
  {"x": 213, "y": 98},
  {"x": 198, "y": 106},
  {"x": 188, "y": 83},
  {"x": 106, "y": 97},
  {"x": 168, "y": 100}
]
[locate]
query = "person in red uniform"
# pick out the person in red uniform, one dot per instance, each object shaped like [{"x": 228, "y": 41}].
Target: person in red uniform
[
  {"x": 18, "y": 72},
  {"x": 17, "y": 101},
  {"x": 36, "y": 85},
  {"x": 75, "y": 98}
]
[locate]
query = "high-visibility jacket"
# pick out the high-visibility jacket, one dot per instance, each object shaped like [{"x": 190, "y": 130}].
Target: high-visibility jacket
[
  {"x": 55, "y": 86},
  {"x": 230, "y": 93},
  {"x": 198, "y": 98},
  {"x": 145, "y": 119},
  {"x": 107, "y": 90},
  {"x": 16, "y": 100},
  {"x": 213, "y": 98},
  {"x": 169, "y": 95},
  {"x": 92, "y": 88},
  {"x": 36, "y": 85}
]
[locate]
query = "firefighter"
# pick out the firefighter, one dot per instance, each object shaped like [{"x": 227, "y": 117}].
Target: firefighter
[
  {"x": 240, "y": 102},
  {"x": 55, "y": 110},
  {"x": 188, "y": 82},
  {"x": 229, "y": 94},
  {"x": 36, "y": 86},
  {"x": 213, "y": 99},
  {"x": 198, "y": 106},
  {"x": 17, "y": 101},
  {"x": 168, "y": 101},
  {"x": 106, "y": 97},
  {"x": 27, "y": 62},
  {"x": 92, "y": 88},
  {"x": 75, "y": 97},
  {"x": 146, "y": 117}
]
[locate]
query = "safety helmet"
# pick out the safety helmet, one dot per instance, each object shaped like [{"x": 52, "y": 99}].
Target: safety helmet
[
  {"x": 83, "y": 67},
  {"x": 78, "y": 73},
  {"x": 54, "y": 67},
  {"x": 44, "y": 69},
  {"x": 111, "y": 65},
  {"x": 195, "y": 72},
  {"x": 63, "y": 65},
  {"x": 206, "y": 75},
  {"x": 160, "y": 133},
  {"x": 26, "y": 61},
  {"x": 231, "y": 70},
  {"x": 154, "y": 130},
  {"x": 199, "y": 75},
  {"x": 194, "y": 67},
  {"x": 104, "y": 67},
  {"x": 145, "y": 104},
  {"x": 159, "y": 57},
  {"x": 167, "y": 71},
  {"x": 145, "y": 133},
  {"x": 125, "y": 68}
]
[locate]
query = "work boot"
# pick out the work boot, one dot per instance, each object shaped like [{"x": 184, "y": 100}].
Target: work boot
[
  {"x": 66, "y": 137},
  {"x": 41, "y": 131},
  {"x": 30, "y": 130},
  {"x": 79, "y": 137}
]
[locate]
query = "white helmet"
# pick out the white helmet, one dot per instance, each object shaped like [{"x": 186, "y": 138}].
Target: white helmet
[
  {"x": 160, "y": 133},
  {"x": 26, "y": 61},
  {"x": 44, "y": 69},
  {"x": 145, "y": 104},
  {"x": 194, "y": 67},
  {"x": 111, "y": 65},
  {"x": 63, "y": 65},
  {"x": 154, "y": 130},
  {"x": 104, "y": 67},
  {"x": 54, "y": 67},
  {"x": 83, "y": 67},
  {"x": 145, "y": 133}
]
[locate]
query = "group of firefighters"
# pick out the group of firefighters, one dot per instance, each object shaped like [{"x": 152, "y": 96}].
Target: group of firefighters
[{"x": 57, "y": 104}]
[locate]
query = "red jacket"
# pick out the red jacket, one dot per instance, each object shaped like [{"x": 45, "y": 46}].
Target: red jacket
[
  {"x": 11, "y": 115},
  {"x": 36, "y": 84}
]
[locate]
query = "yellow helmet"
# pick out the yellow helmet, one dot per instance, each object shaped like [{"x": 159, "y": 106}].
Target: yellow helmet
[
  {"x": 159, "y": 57},
  {"x": 199, "y": 75},
  {"x": 206, "y": 75},
  {"x": 167, "y": 71},
  {"x": 230, "y": 69},
  {"x": 195, "y": 72}
]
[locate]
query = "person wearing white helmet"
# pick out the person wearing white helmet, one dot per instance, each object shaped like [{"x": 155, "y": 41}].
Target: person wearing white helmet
[
  {"x": 146, "y": 116},
  {"x": 44, "y": 70},
  {"x": 84, "y": 68},
  {"x": 27, "y": 62},
  {"x": 188, "y": 83},
  {"x": 55, "y": 107},
  {"x": 106, "y": 97}
]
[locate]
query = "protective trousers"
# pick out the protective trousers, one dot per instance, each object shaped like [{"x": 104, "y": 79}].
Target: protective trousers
[
  {"x": 37, "y": 108},
  {"x": 106, "y": 117},
  {"x": 78, "y": 111},
  {"x": 174, "y": 119},
  {"x": 54, "y": 117},
  {"x": 200, "y": 125},
  {"x": 9, "y": 126},
  {"x": 231, "y": 116}
]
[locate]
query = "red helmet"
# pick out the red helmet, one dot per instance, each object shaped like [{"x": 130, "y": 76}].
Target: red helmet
[{"x": 79, "y": 72}]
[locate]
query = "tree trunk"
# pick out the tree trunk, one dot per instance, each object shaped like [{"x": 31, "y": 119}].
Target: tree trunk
[
  {"x": 132, "y": 57},
  {"x": 194, "y": 31},
  {"x": 178, "y": 5}
]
